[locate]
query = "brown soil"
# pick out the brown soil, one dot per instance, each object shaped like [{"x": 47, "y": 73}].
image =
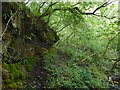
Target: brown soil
[{"x": 39, "y": 76}]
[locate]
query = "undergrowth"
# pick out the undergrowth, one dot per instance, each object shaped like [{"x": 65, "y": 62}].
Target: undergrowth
[{"x": 67, "y": 71}]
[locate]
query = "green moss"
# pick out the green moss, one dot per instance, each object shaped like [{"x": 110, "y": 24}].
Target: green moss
[
  {"x": 16, "y": 75},
  {"x": 5, "y": 65},
  {"x": 28, "y": 62},
  {"x": 8, "y": 81},
  {"x": 22, "y": 76},
  {"x": 28, "y": 67},
  {"x": 50, "y": 35},
  {"x": 11, "y": 77},
  {"x": 12, "y": 85}
]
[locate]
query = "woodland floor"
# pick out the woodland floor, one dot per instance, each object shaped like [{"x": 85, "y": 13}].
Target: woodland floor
[{"x": 39, "y": 76}]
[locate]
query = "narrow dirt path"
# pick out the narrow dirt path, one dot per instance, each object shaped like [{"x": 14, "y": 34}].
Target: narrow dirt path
[{"x": 39, "y": 76}]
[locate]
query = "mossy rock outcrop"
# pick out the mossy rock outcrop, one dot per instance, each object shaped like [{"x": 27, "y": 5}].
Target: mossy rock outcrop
[{"x": 26, "y": 34}]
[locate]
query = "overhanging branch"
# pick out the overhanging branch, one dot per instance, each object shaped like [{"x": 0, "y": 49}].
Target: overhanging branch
[
  {"x": 103, "y": 5},
  {"x": 76, "y": 9},
  {"x": 93, "y": 13}
]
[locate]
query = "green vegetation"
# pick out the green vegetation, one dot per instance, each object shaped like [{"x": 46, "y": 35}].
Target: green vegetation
[
  {"x": 17, "y": 73},
  {"x": 68, "y": 71},
  {"x": 84, "y": 52}
]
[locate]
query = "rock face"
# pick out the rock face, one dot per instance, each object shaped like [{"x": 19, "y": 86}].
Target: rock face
[{"x": 26, "y": 34}]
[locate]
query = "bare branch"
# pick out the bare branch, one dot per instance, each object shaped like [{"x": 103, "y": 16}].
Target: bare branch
[
  {"x": 118, "y": 60},
  {"x": 89, "y": 56},
  {"x": 92, "y": 55},
  {"x": 108, "y": 45},
  {"x": 8, "y": 24},
  {"x": 46, "y": 12},
  {"x": 104, "y": 51},
  {"x": 79, "y": 11},
  {"x": 104, "y": 16},
  {"x": 103, "y": 5},
  {"x": 63, "y": 28},
  {"x": 41, "y": 6},
  {"x": 93, "y": 13},
  {"x": 76, "y": 4}
]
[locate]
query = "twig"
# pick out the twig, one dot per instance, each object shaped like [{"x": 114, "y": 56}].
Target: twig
[
  {"x": 99, "y": 15},
  {"x": 105, "y": 50},
  {"x": 47, "y": 11},
  {"x": 92, "y": 55},
  {"x": 115, "y": 64},
  {"x": 89, "y": 57},
  {"x": 63, "y": 28},
  {"x": 93, "y": 13},
  {"x": 103, "y": 5},
  {"x": 8, "y": 24},
  {"x": 98, "y": 52},
  {"x": 109, "y": 43},
  {"x": 41, "y": 6}
]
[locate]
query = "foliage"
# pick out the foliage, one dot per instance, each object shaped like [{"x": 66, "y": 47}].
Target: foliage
[
  {"x": 87, "y": 50},
  {"x": 84, "y": 54},
  {"x": 18, "y": 72},
  {"x": 67, "y": 72}
]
